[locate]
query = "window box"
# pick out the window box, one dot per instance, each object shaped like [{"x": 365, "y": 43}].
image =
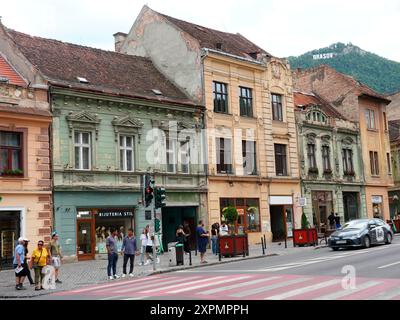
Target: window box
[
  {"x": 313, "y": 170},
  {"x": 327, "y": 172},
  {"x": 12, "y": 173},
  {"x": 349, "y": 173}
]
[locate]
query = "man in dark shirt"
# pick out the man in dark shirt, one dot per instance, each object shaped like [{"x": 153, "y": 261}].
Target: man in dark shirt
[
  {"x": 331, "y": 219},
  {"x": 337, "y": 221},
  {"x": 112, "y": 251},
  {"x": 129, "y": 249}
]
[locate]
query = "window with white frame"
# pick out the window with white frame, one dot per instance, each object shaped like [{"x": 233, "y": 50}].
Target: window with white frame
[
  {"x": 171, "y": 154},
  {"x": 83, "y": 150},
  {"x": 126, "y": 153},
  {"x": 184, "y": 156}
]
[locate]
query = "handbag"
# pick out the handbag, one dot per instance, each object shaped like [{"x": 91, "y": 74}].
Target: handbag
[{"x": 36, "y": 264}]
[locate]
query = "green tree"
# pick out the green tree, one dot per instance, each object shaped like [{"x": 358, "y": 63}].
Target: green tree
[
  {"x": 230, "y": 215},
  {"x": 304, "y": 221}
]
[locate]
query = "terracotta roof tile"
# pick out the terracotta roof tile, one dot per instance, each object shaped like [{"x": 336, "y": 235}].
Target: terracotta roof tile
[
  {"x": 6, "y": 71},
  {"x": 302, "y": 99},
  {"x": 106, "y": 71},
  {"x": 232, "y": 43}
]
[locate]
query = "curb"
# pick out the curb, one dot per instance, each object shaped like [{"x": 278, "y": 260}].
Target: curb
[{"x": 173, "y": 269}]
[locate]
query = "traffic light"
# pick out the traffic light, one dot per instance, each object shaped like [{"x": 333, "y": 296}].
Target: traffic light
[
  {"x": 157, "y": 225},
  {"x": 160, "y": 197},
  {"x": 148, "y": 192}
]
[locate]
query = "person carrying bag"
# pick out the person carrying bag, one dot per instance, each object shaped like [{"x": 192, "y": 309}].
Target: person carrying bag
[{"x": 39, "y": 259}]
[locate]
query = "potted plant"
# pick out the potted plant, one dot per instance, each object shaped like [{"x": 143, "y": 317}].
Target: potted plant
[
  {"x": 328, "y": 172},
  {"x": 11, "y": 172},
  {"x": 313, "y": 171},
  {"x": 231, "y": 216},
  {"x": 233, "y": 244},
  {"x": 306, "y": 235}
]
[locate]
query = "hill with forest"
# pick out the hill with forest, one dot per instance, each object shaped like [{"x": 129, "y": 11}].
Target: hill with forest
[{"x": 381, "y": 74}]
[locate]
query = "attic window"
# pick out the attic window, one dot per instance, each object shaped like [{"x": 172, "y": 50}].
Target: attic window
[
  {"x": 82, "y": 80},
  {"x": 4, "y": 80},
  {"x": 157, "y": 92},
  {"x": 218, "y": 45}
]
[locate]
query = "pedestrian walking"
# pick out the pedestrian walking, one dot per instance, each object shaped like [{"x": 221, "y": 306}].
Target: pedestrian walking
[
  {"x": 111, "y": 246},
  {"x": 143, "y": 244},
  {"x": 331, "y": 219},
  {"x": 55, "y": 252},
  {"x": 149, "y": 249},
  {"x": 202, "y": 240},
  {"x": 214, "y": 237},
  {"x": 18, "y": 263},
  {"x": 337, "y": 221},
  {"x": 186, "y": 230},
  {"x": 26, "y": 264},
  {"x": 40, "y": 258},
  {"x": 129, "y": 250},
  {"x": 180, "y": 234}
]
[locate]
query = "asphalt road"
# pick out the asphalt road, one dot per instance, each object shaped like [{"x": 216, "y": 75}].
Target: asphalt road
[{"x": 321, "y": 274}]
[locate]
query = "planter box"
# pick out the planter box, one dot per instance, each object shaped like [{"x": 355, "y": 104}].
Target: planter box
[
  {"x": 305, "y": 237},
  {"x": 230, "y": 246}
]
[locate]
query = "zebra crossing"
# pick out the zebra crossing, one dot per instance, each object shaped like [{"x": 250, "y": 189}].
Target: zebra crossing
[{"x": 239, "y": 287}]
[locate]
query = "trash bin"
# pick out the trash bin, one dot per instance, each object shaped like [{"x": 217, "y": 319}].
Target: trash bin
[
  {"x": 172, "y": 254},
  {"x": 179, "y": 254}
]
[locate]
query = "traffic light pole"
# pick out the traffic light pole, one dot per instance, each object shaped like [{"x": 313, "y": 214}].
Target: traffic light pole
[{"x": 153, "y": 203}]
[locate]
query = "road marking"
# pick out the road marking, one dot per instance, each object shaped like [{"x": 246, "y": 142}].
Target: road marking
[
  {"x": 136, "y": 298},
  {"x": 387, "y": 295},
  {"x": 344, "y": 292},
  {"x": 183, "y": 284},
  {"x": 389, "y": 265},
  {"x": 304, "y": 290},
  {"x": 238, "y": 285},
  {"x": 105, "y": 286},
  {"x": 114, "y": 298},
  {"x": 268, "y": 288},
  {"x": 156, "y": 284},
  {"x": 208, "y": 284}
]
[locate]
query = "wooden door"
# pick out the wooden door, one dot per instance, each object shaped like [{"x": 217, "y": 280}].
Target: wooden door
[{"x": 85, "y": 239}]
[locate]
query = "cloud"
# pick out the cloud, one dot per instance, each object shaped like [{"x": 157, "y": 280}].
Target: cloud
[{"x": 281, "y": 27}]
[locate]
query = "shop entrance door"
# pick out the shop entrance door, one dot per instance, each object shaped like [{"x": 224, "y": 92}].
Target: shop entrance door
[
  {"x": 9, "y": 234},
  {"x": 350, "y": 204},
  {"x": 278, "y": 223},
  {"x": 85, "y": 239}
]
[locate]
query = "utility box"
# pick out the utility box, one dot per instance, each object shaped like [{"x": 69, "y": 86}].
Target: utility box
[
  {"x": 172, "y": 254},
  {"x": 180, "y": 254}
]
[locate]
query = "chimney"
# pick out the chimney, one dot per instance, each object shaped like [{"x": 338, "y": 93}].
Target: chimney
[{"x": 119, "y": 39}]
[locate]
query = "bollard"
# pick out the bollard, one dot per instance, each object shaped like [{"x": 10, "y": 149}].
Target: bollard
[
  {"x": 219, "y": 250},
  {"x": 190, "y": 257},
  {"x": 265, "y": 243},
  {"x": 244, "y": 247},
  {"x": 262, "y": 245},
  {"x": 285, "y": 243}
]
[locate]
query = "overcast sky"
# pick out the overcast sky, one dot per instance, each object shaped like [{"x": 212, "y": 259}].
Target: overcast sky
[{"x": 281, "y": 27}]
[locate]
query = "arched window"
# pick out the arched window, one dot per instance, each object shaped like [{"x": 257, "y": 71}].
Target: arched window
[{"x": 316, "y": 116}]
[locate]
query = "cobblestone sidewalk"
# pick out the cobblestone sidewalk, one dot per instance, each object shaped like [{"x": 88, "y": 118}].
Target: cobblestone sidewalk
[{"x": 79, "y": 274}]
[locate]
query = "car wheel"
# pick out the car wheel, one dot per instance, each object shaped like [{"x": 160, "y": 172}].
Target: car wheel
[
  {"x": 335, "y": 249},
  {"x": 389, "y": 238},
  {"x": 367, "y": 242}
]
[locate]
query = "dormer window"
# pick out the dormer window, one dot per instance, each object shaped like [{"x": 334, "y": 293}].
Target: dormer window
[
  {"x": 157, "y": 92},
  {"x": 82, "y": 80},
  {"x": 316, "y": 116}
]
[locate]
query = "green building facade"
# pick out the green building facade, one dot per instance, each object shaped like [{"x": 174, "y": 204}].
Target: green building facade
[
  {"x": 330, "y": 162},
  {"x": 96, "y": 189}
]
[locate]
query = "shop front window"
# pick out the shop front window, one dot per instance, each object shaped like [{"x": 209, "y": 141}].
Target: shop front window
[
  {"x": 108, "y": 219},
  {"x": 248, "y": 213},
  {"x": 377, "y": 207}
]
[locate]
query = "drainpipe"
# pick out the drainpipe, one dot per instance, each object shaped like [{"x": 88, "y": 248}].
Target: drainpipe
[{"x": 49, "y": 98}]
